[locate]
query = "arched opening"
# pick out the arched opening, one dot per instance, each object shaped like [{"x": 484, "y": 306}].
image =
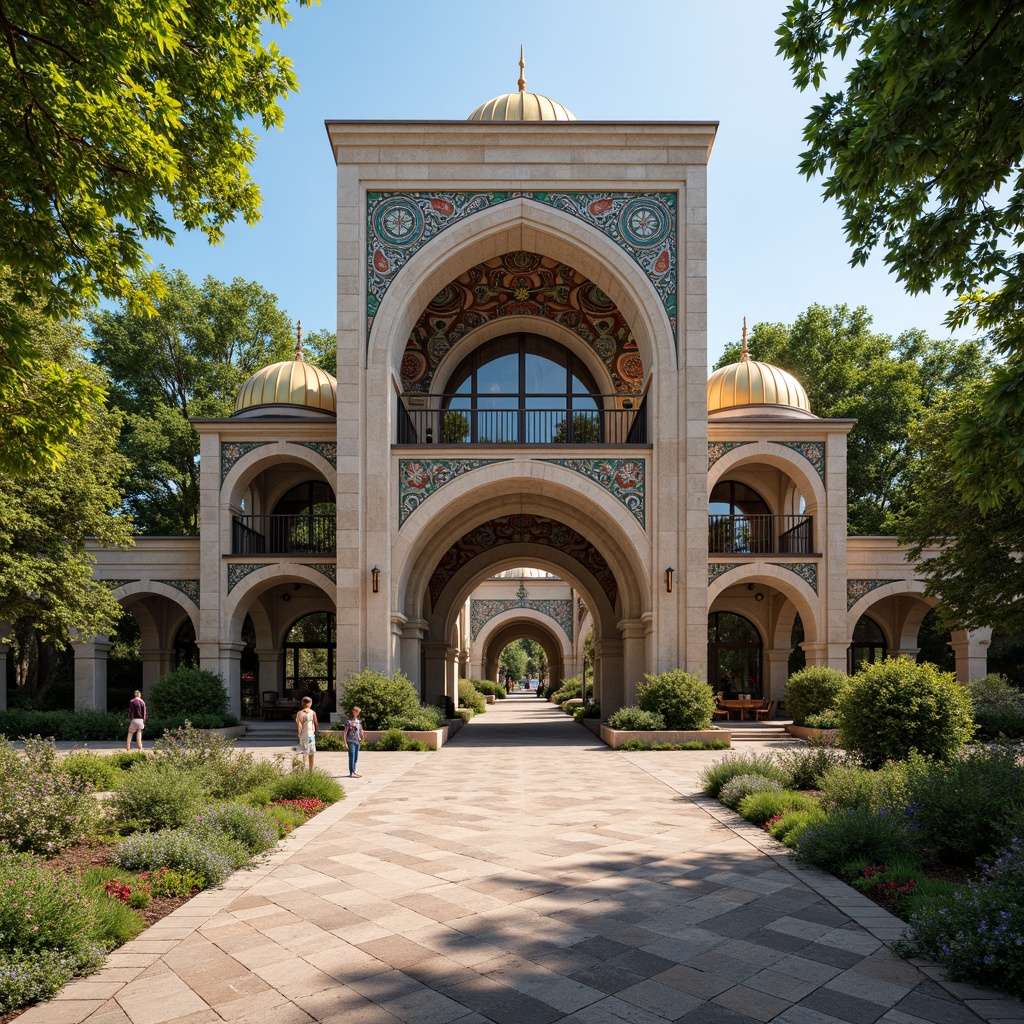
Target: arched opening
[
  {"x": 797, "y": 654},
  {"x": 735, "y": 655},
  {"x": 741, "y": 522},
  {"x": 309, "y": 661},
  {"x": 302, "y": 521},
  {"x": 250, "y": 671},
  {"x": 868, "y": 644},
  {"x": 186, "y": 650},
  {"x": 933, "y": 643}
]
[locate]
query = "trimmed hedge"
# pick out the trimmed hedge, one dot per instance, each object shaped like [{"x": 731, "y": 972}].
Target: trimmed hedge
[
  {"x": 187, "y": 692},
  {"x": 813, "y": 691},
  {"x": 96, "y": 725},
  {"x": 684, "y": 700}
]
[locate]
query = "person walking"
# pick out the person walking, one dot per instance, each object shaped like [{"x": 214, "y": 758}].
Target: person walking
[
  {"x": 136, "y": 720},
  {"x": 308, "y": 726},
  {"x": 353, "y": 740}
]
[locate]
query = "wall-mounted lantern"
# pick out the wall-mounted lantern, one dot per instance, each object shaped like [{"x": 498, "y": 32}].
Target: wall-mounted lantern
[
  {"x": 375, "y": 573},
  {"x": 670, "y": 574}
]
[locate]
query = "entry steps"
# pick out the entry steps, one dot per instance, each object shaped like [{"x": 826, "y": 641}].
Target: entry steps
[{"x": 747, "y": 731}]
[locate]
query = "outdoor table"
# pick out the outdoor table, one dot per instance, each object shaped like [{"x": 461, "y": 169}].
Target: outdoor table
[{"x": 742, "y": 706}]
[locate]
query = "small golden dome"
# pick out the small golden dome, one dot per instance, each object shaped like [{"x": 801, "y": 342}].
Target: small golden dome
[
  {"x": 738, "y": 387},
  {"x": 522, "y": 105},
  {"x": 292, "y": 388}
]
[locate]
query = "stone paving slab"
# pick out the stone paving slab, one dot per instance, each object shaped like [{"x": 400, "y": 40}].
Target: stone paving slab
[{"x": 524, "y": 874}]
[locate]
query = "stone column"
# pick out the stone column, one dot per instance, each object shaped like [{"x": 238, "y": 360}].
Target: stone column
[
  {"x": 270, "y": 669},
  {"x": 971, "y": 653},
  {"x": 434, "y": 679},
  {"x": 91, "y": 674},
  {"x": 451, "y": 674},
  {"x": 776, "y": 671},
  {"x": 831, "y": 655},
  {"x": 409, "y": 660},
  {"x": 608, "y": 679},
  {"x": 231, "y": 673},
  {"x": 634, "y": 657}
]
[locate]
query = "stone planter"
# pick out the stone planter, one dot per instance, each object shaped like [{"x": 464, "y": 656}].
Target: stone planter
[
  {"x": 593, "y": 724},
  {"x": 490, "y": 698},
  {"x": 616, "y": 737},
  {"x": 805, "y": 732},
  {"x": 572, "y": 702},
  {"x": 433, "y": 738}
]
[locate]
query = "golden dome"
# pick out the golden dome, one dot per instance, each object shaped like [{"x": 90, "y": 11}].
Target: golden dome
[
  {"x": 522, "y": 105},
  {"x": 743, "y": 388},
  {"x": 292, "y": 388}
]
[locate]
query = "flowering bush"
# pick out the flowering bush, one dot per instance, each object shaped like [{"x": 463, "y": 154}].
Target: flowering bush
[
  {"x": 41, "y": 809},
  {"x": 168, "y": 882},
  {"x": 249, "y": 826},
  {"x": 842, "y": 838},
  {"x": 715, "y": 776},
  {"x": 742, "y": 785},
  {"x": 159, "y": 795},
  {"x": 211, "y": 861},
  {"x": 308, "y": 805}
]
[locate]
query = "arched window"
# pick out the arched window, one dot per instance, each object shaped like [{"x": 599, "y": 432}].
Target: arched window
[
  {"x": 249, "y": 669},
  {"x": 868, "y": 644},
  {"x": 739, "y": 520},
  {"x": 309, "y": 662},
  {"x": 734, "y": 655}
]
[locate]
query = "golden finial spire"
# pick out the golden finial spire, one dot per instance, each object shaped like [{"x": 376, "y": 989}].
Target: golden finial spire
[
  {"x": 745, "y": 354},
  {"x": 522, "y": 68},
  {"x": 298, "y": 342}
]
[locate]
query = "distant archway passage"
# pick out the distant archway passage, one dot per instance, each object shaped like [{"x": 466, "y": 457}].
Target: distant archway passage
[{"x": 523, "y": 529}]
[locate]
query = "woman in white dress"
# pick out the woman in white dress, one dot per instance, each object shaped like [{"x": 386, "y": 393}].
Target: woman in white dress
[{"x": 308, "y": 726}]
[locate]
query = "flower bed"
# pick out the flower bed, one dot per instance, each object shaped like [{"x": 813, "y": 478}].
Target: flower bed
[{"x": 615, "y": 738}]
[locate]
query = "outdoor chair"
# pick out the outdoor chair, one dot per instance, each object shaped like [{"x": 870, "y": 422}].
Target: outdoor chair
[
  {"x": 269, "y": 699},
  {"x": 720, "y": 712},
  {"x": 765, "y": 713}
]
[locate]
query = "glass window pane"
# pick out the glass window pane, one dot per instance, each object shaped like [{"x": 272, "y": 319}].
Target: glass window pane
[
  {"x": 543, "y": 376},
  {"x": 500, "y": 376}
]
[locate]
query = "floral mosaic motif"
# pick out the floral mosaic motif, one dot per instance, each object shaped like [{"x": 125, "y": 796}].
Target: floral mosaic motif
[
  {"x": 418, "y": 479},
  {"x": 716, "y": 449},
  {"x": 643, "y": 224},
  {"x": 522, "y": 284},
  {"x": 481, "y": 612},
  {"x": 812, "y": 451},
  {"x": 237, "y": 571},
  {"x": 327, "y": 450},
  {"x": 114, "y": 584},
  {"x": 807, "y": 571},
  {"x": 190, "y": 588},
  {"x": 523, "y": 529},
  {"x": 232, "y": 451},
  {"x": 328, "y": 569},
  {"x": 716, "y": 569},
  {"x": 856, "y": 589},
  {"x": 624, "y": 479}
]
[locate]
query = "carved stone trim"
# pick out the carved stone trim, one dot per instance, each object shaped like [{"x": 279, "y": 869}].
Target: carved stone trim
[
  {"x": 327, "y": 450},
  {"x": 328, "y": 569},
  {"x": 237, "y": 571},
  {"x": 812, "y": 451},
  {"x": 481, "y": 611}
]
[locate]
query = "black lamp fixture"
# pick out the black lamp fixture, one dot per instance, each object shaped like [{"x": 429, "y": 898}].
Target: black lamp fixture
[
  {"x": 670, "y": 574},
  {"x": 375, "y": 573}
]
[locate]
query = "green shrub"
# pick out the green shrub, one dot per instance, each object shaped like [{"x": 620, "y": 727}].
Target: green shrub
[
  {"x": 208, "y": 859},
  {"x": 759, "y": 807},
  {"x": 156, "y": 796},
  {"x": 895, "y": 706},
  {"x": 286, "y": 816},
  {"x": 685, "y": 701},
  {"x": 222, "y": 770},
  {"x": 64, "y": 725},
  {"x": 740, "y": 786},
  {"x": 715, "y": 776},
  {"x": 395, "y": 739},
  {"x": 828, "y": 719},
  {"x": 806, "y": 765},
  {"x": 570, "y": 689},
  {"x": 250, "y": 826},
  {"x": 189, "y": 691},
  {"x": 998, "y": 708},
  {"x": 849, "y": 787},
  {"x": 813, "y": 690},
  {"x": 844, "y": 837},
  {"x": 125, "y": 760},
  {"x": 100, "y": 772},
  {"x": 312, "y": 783},
  {"x": 330, "y": 741},
  {"x": 379, "y": 697},
  {"x": 470, "y": 697},
  {"x": 242, "y": 773},
  {"x": 169, "y": 882},
  {"x": 788, "y": 827},
  {"x": 489, "y": 686},
  {"x": 466, "y": 714},
  {"x": 634, "y": 718},
  {"x": 424, "y": 718},
  {"x": 113, "y": 922}
]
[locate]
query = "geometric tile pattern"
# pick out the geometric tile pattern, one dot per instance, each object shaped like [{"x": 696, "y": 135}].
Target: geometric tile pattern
[
  {"x": 623, "y": 479},
  {"x": 420, "y": 478},
  {"x": 856, "y": 589},
  {"x": 482, "y": 611}
]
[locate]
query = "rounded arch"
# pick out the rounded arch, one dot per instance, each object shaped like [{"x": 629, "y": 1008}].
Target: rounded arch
[
  {"x": 132, "y": 597},
  {"x": 512, "y": 626},
  {"x": 895, "y": 588},
  {"x": 768, "y": 453},
  {"x": 799, "y": 593},
  {"x": 540, "y": 229},
  {"x": 523, "y": 615},
  {"x": 275, "y": 453},
  {"x": 243, "y": 598}
]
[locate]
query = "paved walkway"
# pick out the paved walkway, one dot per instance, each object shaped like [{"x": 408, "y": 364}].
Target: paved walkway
[{"x": 525, "y": 874}]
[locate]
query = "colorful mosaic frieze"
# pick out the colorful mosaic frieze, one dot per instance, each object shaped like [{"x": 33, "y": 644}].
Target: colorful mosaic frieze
[
  {"x": 716, "y": 449},
  {"x": 190, "y": 588},
  {"x": 642, "y": 224},
  {"x": 114, "y": 584},
  {"x": 481, "y": 612},
  {"x": 328, "y": 569},
  {"x": 418, "y": 479},
  {"x": 237, "y": 571},
  {"x": 327, "y": 450},
  {"x": 623, "y": 479},
  {"x": 522, "y": 284},
  {"x": 523, "y": 529},
  {"x": 716, "y": 569},
  {"x": 807, "y": 571},
  {"x": 812, "y": 451},
  {"x": 232, "y": 451},
  {"x": 856, "y": 589}
]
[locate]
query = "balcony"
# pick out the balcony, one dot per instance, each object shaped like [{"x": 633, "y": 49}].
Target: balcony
[
  {"x": 301, "y": 534},
  {"x": 452, "y": 420},
  {"x": 760, "y": 535}
]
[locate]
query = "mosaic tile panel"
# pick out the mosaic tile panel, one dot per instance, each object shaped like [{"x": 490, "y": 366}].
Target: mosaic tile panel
[
  {"x": 642, "y": 224},
  {"x": 190, "y": 588},
  {"x": 328, "y": 569},
  {"x": 481, "y": 612},
  {"x": 623, "y": 479},
  {"x": 856, "y": 589},
  {"x": 232, "y": 451},
  {"x": 114, "y": 584},
  {"x": 716, "y": 449},
  {"x": 237, "y": 571},
  {"x": 327, "y": 450},
  {"x": 812, "y": 451},
  {"x": 420, "y": 478},
  {"x": 716, "y": 569},
  {"x": 807, "y": 571}
]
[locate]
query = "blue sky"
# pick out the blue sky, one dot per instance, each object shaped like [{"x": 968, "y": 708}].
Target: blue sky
[{"x": 774, "y": 247}]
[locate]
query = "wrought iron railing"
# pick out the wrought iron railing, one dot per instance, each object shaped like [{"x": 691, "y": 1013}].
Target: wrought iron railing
[
  {"x": 760, "y": 535},
  {"x": 283, "y": 535},
  {"x": 451, "y": 419}
]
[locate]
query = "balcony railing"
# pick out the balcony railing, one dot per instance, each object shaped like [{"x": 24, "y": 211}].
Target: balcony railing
[
  {"x": 283, "y": 535},
  {"x": 450, "y": 419},
  {"x": 760, "y": 535}
]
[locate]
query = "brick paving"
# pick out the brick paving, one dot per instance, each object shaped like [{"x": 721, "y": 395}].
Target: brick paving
[{"x": 525, "y": 874}]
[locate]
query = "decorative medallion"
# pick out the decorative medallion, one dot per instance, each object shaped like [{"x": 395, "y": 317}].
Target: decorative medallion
[
  {"x": 856, "y": 589},
  {"x": 716, "y": 569},
  {"x": 716, "y": 449},
  {"x": 807, "y": 571},
  {"x": 232, "y": 451},
  {"x": 190, "y": 588},
  {"x": 328, "y": 569},
  {"x": 812, "y": 451},
  {"x": 642, "y": 224},
  {"x": 327, "y": 450},
  {"x": 481, "y": 612},
  {"x": 523, "y": 529},
  {"x": 624, "y": 479},
  {"x": 420, "y": 478},
  {"x": 237, "y": 571},
  {"x": 114, "y": 584}
]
